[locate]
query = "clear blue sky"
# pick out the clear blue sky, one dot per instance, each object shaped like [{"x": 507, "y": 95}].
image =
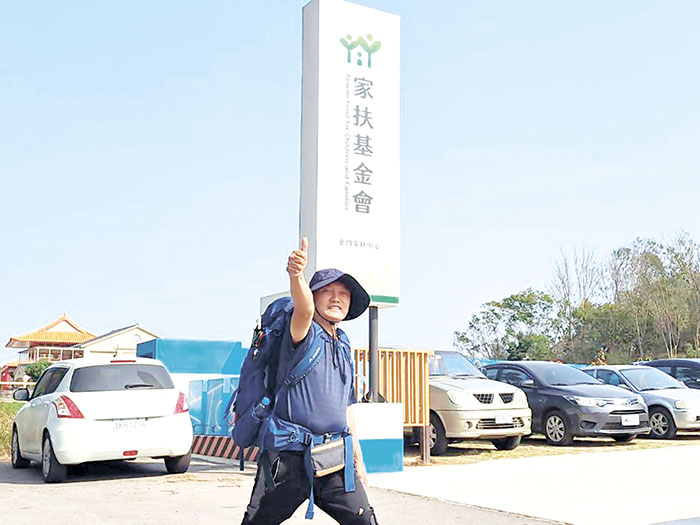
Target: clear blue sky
[{"x": 149, "y": 154}]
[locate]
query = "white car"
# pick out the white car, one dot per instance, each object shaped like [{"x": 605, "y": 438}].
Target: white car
[
  {"x": 84, "y": 410},
  {"x": 464, "y": 404}
]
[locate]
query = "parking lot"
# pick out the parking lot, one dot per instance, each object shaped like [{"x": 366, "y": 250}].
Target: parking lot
[
  {"x": 594, "y": 482},
  {"x": 211, "y": 493},
  {"x": 473, "y": 482}
]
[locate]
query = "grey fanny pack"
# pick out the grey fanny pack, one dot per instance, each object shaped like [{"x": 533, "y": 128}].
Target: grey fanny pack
[{"x": 328, "y": 457}]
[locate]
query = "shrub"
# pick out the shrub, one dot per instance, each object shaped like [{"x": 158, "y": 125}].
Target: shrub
[
  {"x": 36, "y": 369},
  {"x": 7, "y": 414}
]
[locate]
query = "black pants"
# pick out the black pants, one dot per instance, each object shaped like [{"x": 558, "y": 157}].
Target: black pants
[{"x": 290, "y": 488}]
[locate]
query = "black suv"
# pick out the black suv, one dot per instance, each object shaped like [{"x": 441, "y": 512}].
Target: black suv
[
  {"x": 567, "y": 402},
  {"x": 685, "y": 370}
]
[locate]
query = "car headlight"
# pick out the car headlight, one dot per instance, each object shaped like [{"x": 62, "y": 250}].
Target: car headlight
[
  {"x": 583, "y": 401},
  {"x": 458, "y": 397},
  {"x": 520, "y": 398},
  {"x": 682, "y": 403}
]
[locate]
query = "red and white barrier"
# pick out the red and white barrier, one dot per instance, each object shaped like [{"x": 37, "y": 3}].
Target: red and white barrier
[{"x": 222, "y": 447}]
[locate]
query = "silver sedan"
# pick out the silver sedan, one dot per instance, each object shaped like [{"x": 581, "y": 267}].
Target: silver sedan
[{"x": 672, "y": 405}]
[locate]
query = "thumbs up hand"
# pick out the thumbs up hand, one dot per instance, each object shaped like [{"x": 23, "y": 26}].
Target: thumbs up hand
[{"x": 296, "y": 264}]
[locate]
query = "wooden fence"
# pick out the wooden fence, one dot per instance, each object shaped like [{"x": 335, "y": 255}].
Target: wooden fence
[{"x": 403, "y": 378}]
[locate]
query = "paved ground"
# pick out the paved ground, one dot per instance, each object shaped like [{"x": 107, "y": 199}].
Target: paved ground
[
  {"x": 210, "y": 493},
  {"x": 633, "y": 487}
]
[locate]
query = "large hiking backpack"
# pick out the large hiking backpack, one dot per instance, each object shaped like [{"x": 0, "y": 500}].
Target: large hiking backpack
[{"x": 253, "y": 400}]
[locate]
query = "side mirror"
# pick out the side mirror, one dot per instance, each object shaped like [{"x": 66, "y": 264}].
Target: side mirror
[
  {"x": 21, "y": 394},
  {"x": 528, "y": 383},
  {"x": 622, "y": 385}
]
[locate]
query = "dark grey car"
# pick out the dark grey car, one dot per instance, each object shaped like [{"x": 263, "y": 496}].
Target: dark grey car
[{"x": 566, "y": 402}]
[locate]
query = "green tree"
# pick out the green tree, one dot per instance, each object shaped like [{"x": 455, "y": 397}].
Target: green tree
[
  {"x": 644, "y": 303},
  {"x": 608, "y": 325},
  {"x": 536, "y": 347},
  {"x": 520, "y": 326},
  {"x": 684, "y": 256},
  {"x": 35, "y": 370},
  {"x": 657, "y": 288}
]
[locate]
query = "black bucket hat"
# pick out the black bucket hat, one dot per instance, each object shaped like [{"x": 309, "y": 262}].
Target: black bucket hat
[{"x": 359, "y": 298}]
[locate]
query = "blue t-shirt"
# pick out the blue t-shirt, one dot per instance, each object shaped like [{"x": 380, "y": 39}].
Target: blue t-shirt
[{"x": 318, "y": 402}]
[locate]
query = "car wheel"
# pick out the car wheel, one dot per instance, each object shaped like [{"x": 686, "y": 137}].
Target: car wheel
[
  {"x": 661, "y": 423},
  {"x": 411, "y": 437},
  {"x": 51, "y": 470},
  {"x": 624, "y": 438},
  {"x": 508, "y": 443},
  {"x": 437, "y": 436},
  {"x": 556, "y": 430},
  {"x": 17, "y": 460},
  {"x": 178, "y": 464}
]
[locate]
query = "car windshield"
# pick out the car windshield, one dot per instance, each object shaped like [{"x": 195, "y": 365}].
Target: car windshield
[
  {"x": 563, "y": 375},
  {"x": 452, "y": 364},
  {"x": 104, "y": 378},
  {"x": 650, "y": 379}
]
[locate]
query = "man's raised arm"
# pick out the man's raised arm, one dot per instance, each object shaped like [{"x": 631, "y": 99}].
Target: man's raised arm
[{"x": 303, "y": 299}]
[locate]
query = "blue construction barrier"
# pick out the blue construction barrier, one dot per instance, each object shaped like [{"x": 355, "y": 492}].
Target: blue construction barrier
[
  {"x": 207, "y": 370},
  {"x": 197, "y": 401},
  {"x": 219, "y": 392},
  {"x": 195, "y": 357},
  {"x": 208, "y": 399}
]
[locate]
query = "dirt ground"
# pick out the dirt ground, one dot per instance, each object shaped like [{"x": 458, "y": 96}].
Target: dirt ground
[{"x": 467, "y": 452}]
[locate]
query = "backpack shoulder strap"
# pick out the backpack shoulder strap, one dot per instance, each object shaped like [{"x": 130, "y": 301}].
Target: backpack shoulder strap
[
  {"x": 303, "y": 367},
  {"x": 229, "y": 411},
  {"x": 309, "y": 360}
]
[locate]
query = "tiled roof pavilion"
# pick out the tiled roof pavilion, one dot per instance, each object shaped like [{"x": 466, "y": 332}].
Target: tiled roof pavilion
[{"x": 60, "y": 332}]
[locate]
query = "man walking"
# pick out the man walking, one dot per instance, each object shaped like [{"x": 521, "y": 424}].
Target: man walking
[{"x": 320, "y": 402}]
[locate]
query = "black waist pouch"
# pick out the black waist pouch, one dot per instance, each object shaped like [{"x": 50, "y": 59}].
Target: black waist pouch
[{"x": 328, "y": 457}]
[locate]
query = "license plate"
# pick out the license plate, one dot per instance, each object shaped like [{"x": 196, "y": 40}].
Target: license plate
[
  {"x": 630, "y": 420},
  {"x": 128, "y": 425},
  {"x": 502, "y": 419}
]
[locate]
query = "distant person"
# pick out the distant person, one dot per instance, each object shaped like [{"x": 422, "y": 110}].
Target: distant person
[{"x": 320, "y": 402}]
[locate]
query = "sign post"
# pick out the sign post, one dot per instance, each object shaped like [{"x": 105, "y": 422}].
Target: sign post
[
  {"x": 374, "y": 354},
  {"x": 350, "y": 165}
]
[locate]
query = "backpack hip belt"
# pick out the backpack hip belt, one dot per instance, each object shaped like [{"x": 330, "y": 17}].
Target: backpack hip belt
[{"x": 279, "y": 434}]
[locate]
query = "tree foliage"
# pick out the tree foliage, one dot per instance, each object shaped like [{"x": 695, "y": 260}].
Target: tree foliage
[
  {"x": 519, "y": 326},
  {"x": 35, "y": 370},
  {"x": 642, "y": 302}
]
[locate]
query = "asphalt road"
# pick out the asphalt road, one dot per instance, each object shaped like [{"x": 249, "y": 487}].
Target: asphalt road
[{"x": 210, "y": 493}]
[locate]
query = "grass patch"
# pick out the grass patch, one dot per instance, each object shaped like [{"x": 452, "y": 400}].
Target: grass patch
[
  {"x": 467, "y": 452},
  {"x": 7, "y": 414}
]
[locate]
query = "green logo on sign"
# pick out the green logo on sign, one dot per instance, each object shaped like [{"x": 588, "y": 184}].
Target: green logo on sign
[{"x": 350, "y": 44}]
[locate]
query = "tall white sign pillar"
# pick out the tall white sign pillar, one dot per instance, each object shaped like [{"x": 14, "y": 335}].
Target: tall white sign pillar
[{"x": 350, "y": 144}]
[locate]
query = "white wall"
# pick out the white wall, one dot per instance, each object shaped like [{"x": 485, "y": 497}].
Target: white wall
[{"x": 123, "y": 344}]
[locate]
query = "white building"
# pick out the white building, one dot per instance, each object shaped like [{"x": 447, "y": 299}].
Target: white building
[{"x": 121, "y": 342}]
